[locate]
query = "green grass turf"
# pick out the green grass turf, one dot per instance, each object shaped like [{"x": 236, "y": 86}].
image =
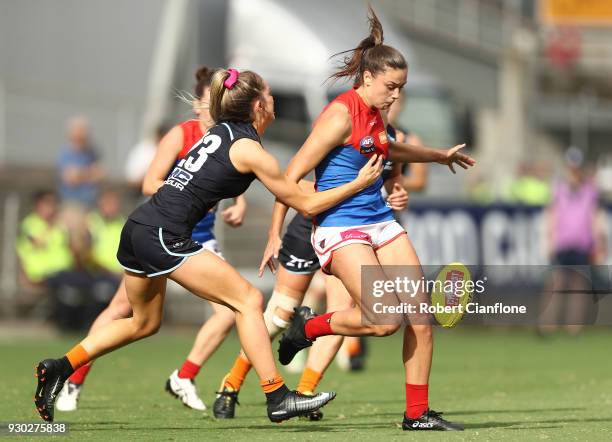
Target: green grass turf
[{"x": 503, "y": 384}]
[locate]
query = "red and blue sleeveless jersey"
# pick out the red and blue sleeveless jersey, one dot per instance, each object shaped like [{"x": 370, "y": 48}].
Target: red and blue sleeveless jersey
[
  {"x": 192, "y": 134},
  {"x": 342, "y": 165}
]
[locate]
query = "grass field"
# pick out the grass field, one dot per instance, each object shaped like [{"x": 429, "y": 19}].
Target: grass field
[{"x": 503, "y": 384}]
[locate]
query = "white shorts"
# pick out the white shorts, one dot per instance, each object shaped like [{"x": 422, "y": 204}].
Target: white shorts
[
  {"x": 327, "y": 239},
  {"x": 213, "y": 246}
]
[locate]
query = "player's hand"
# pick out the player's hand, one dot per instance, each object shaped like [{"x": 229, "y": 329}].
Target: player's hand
[
  {"x": 398, "y": 199},
  {"x": 370, "y": 172},
  {"x": 270, "y": 255},
  {"x": 234, "y": 215},
  {"x": 453, "y": 156}
]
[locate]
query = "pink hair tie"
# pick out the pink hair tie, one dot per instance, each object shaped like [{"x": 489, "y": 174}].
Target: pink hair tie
[{"x": 232, "y": 79}]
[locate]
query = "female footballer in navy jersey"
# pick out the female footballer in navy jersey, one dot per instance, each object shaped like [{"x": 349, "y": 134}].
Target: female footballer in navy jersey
[
  {"x": 361, "y": 230},
  {"x": 156, "y": 244},
  {"x": 172, "y": 148}
]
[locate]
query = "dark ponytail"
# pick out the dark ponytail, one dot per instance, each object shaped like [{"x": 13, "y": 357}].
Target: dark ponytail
[
  {"x": 203, "y": 78},
  {"x": 370, "y": 55}
]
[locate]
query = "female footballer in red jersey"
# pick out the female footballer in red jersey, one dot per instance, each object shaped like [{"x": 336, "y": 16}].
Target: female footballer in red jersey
[
  {"x": 361, "y": 230},
  {"x": 298, "y": 265},
  {"x": 349, "y": 348}
]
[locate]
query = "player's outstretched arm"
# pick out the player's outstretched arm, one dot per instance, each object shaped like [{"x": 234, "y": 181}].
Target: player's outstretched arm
[
  {"x": 279, "y": 212},
  {"x": 416, "y": 180},
  {"x": 248, "y": 156},
  {"x": 165, "y": 157},
  {"x": 331, "y": 129},
  {"x": 408, "y": 153}
]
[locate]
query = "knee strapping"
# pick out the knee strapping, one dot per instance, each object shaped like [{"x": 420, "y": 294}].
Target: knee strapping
[{"x": 274, "y": 323}]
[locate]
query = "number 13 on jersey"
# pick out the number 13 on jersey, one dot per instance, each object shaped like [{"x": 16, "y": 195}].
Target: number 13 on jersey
[{"x": 193, "y": 162}]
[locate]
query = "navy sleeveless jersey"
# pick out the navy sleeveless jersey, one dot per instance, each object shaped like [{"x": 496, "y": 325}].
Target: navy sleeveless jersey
[
  {"x": 388, "y": 164},
  {"x": 199, "y": 181}
]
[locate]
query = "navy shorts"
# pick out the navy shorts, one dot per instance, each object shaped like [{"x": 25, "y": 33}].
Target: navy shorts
[
  {"x": 153, "y": 251},
  {"x": 297, "y": 255},
  {"x": 572, "y": 257}
]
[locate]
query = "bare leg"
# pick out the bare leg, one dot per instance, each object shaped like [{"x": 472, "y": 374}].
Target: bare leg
[
  {"x": 146, "y": 296},
  {"x": 212, "y": 333},
  {"x": 289, "y": 284},
  {"x": 316, "y": 293},
  {"x": 577, "y": 303},
  {"x": 293, "y": 285},
  {"x": 118, "y": 308},
  {"x": 418, "y": 338},
  {"x": 208, "y": 276},
  {"x": 552, "y": 302},
  {"x": 324, "y": 349},
  {"x": 346, "y": 265}
]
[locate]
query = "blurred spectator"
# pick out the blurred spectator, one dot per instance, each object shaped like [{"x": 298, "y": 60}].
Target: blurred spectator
[
  {"x": 480, "y": 189},
  {"x": 604, "y": 175},
  {"x": 575, "y": 242},
  {"x": 43, "y": 243},
  {"x": 140, "y": 157},
  {"x": 47, "y": 260},
  {"x": 105, "y": 226},
  {"x": 77, "y": 279},
  {"x": 573, "y": 215},
  {"x": 531, "y": 187},
  {"x": 80, "y": 171}
]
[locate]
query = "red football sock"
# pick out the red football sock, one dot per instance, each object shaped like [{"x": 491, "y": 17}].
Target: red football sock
[
  {"x": 319, "y": 326},
  {"x": 189, "y": 370},
  {"x": 417, "y": 400},
  {"x": 78, "y": 377}
]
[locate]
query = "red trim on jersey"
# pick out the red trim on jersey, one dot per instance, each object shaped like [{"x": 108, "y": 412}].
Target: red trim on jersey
[
  {"x": 191, "y": 135},
  {"x": 368, "y": 133},
  {"x": 324, "y": 268},
  {"x": 389, "y": 241},
  {"x": 361, "y": 241}
]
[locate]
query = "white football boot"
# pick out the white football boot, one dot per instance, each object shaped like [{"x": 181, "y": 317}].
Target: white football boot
[
  {"x": 185, "y": 390},
  {"x": 68, "y": 397}
]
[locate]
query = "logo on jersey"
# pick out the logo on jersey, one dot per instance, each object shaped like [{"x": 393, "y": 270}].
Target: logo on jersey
[
  {"x": 366, "y": 145},
  {"x": 182, "y": 174},
  {"x": 382, "y": 137},
  {"x": 355, "y": 234},
  {"x": 299, "y": 263}
]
